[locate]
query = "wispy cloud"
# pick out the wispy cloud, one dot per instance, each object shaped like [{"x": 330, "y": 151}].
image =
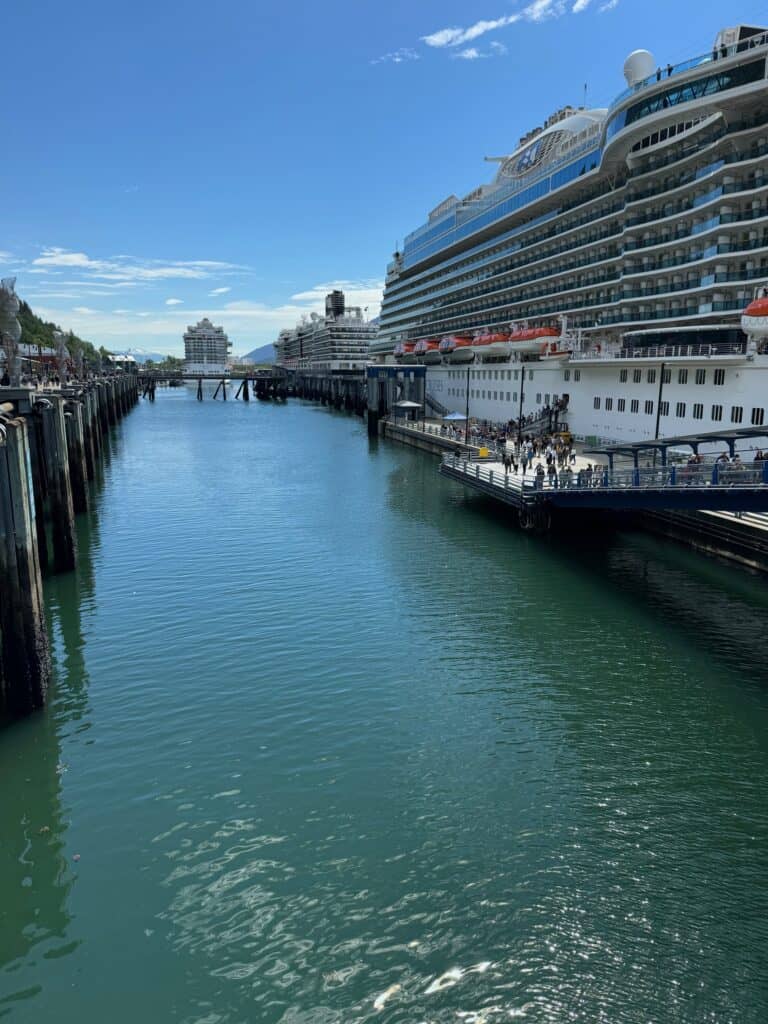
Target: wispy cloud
[
  {"x": 580, "y": 5},
  {"x": 84, "y": 310},
  {"x": 5, "y": 257},
  {"x": 129, "y": 270},
  {"x": 609, "y": 6},
  {"x": 173, "y": 302},
  {"x": 405, "y": 53},
  {"x": 472, "y": 52},
  {"x": 536, "y": 11},
  {"x": 220, "y": 291}
]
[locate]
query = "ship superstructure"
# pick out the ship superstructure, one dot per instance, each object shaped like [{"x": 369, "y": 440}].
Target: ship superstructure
[
  {"x": 339, "y": 340},
  {"x": 609, "y": 260}
]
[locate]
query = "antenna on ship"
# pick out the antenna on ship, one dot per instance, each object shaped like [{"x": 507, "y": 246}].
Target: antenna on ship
[{"x": 585, "y": 95}]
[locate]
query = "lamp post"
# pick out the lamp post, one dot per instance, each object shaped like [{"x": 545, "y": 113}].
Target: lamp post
[
  {"x": 466, "y": 425},
  {"x": 520, "y": 412}
]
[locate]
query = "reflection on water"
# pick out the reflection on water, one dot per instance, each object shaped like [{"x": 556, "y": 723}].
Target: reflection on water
[{"x": 336, "y": 743}]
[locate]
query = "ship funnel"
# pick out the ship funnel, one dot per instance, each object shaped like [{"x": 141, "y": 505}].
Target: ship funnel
[{"x": 638, "y": 66}]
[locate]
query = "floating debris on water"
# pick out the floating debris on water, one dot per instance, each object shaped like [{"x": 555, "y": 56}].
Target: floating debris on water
[{"x": 379, "y": 1001}]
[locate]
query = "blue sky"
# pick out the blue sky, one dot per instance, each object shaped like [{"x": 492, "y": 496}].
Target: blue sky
[{"x": 165, "y": 161}]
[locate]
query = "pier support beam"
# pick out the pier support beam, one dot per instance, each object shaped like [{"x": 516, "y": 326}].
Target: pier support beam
[
  {"x": 62, "y": 510},
  {"x": 78, "y": 473},
  {"x": 24, "y": 652}
]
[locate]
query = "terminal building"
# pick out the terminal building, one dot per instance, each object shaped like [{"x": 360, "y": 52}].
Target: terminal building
[
  {"x": 206, "y": 349},
  {"x": 337, "y": 341}
]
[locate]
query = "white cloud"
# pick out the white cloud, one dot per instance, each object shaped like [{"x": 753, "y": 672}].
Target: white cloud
[
  {"x": 580, "y": 5},
  {"x": 121, "y": 312},
  {"x": 220, "y": 291},
  {"x": 609, "y": 6},
  {"x": 499, "y": 49},
  {"x": 84, "y": 310},
  {"x": 127, "y": 269},
  {"x": 5, "y": 257},
  {"x": 405, "y": 53},
  {"x": 536, "y": 11},
  {"x": 471, "y": 53},
  {"x": 173, "y": 302}
]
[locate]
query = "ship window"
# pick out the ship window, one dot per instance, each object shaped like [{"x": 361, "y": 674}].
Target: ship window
[
  {"x": 701, "y": 376},
  {"x": 663, "y": 408},
  {"x": 546, "y": 399},
  {"x": 516, "y": 373},
  {"x": 530, "y": 375},
  {"x": 496, "y": 396},
  {"x": 719, "y": 376},
  {"x": 483, "y": 392},
  {"x": 538, "y": 398},
  {"x": 717, "y": 410},
  {"x": 608, "y": 404},
  {"x": 736, "y": 413},
  {"x": 651, "y": 377},
  {"x": 649, "y": 408},
  {"x": 508, "y": 398},
  {"x": 566, "y": 374},
  {"x": 597, "y": 402},
  {"x": 637, "y": 376},
  {"x": 698, "y": 411},
  {"x": 666, "y": 376},
  {"x": 680, "y": 409},
  {"x": 634, "y": 405},
  {"x": 682, "y": 376},
  {"x": 622, "y": 376},
  {"x": 514, "y": 396},
  {"x": 621, "y": 404},
  {"x": 757, "y": 417},
  {"x": 577, "y": 374}
]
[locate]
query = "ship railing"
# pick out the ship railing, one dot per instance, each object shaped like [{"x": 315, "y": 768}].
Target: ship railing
[
  {"x": 700, "y": 351},
  {"x": 714, "y": 55}
]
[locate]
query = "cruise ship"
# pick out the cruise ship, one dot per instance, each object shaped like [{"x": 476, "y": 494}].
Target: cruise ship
[
  {"x": 338, "y": 341},
  {"x": 608, "y": 264}
]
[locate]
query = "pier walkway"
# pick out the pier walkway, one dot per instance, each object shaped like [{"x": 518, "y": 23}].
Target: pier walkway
[{"x": 707, "y": 486}]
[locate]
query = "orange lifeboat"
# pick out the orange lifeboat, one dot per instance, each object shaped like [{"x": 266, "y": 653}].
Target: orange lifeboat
[
  {"x": 428, "y": 350},
  {"x": 457, "y": 348},
  {"x": 404, "y": 350},
  {"x": 754, "y": 319}
]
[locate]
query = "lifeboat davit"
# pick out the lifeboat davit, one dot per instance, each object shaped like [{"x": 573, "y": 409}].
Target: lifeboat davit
[
  {"x": 457, "y": 348},
  {"x": 754, "y": 319},
  {"x": 427, "y": 350},
  {"x": 554, "y": 350},
  {"x": 529, "y": 339},
  {"x": 490, "y": 344}
]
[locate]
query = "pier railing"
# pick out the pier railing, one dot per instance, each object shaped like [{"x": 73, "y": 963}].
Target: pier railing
[{"x": 705, "y": 475}]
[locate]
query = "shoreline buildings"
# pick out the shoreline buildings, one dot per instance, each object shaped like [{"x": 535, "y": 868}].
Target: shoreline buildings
[
  {"x": 608, "y": 263},
  {"x": 206, "y": 349},
  {"x": 338, "y": 341}
]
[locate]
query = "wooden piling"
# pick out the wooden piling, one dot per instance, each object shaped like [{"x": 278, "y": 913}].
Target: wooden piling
[
  {"x": 246, "y": 393},
  {"x": 24, "y": 651},
  {"x": 59, "y": 484},
  {"x": 73, "y": 420}
]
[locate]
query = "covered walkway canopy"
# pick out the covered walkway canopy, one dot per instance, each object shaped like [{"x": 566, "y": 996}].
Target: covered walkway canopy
[{"x": 634, "y": 449}]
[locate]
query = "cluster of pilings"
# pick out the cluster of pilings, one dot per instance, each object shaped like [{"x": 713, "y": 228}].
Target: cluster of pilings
[
  {"x": 338, "y": 390},
  {"x": 51, "y": 443}
]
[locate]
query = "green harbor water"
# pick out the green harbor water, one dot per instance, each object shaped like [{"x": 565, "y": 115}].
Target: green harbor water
[{"x": 324, "y": 724}]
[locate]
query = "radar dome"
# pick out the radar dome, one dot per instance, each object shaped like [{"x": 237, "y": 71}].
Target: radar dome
[{"x": 638, "y": 66}]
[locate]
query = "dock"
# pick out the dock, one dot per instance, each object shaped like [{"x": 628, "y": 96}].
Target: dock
[{"x": 51, "y": 445}]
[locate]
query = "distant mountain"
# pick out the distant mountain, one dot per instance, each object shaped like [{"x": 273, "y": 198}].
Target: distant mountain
[
  {"x": 265, "y": 354},
  {"x": 141, "y": 356}
]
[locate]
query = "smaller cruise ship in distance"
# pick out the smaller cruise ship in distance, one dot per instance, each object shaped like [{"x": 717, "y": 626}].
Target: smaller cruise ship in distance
[
  {"x": 206, "y": 349},
  {"x": 340, "y": 340},
  {"x": 608, "y": 264}
]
